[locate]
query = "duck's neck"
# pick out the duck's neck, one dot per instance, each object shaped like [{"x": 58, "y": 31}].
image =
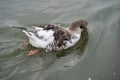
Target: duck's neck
[{"x": 75, "y": 30}]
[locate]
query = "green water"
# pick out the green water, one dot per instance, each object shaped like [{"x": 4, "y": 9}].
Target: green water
[{"x": 94, "y": 57}]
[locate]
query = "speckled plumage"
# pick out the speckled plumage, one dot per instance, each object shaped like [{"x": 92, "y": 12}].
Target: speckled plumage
[{"x": 54, "y": 37}]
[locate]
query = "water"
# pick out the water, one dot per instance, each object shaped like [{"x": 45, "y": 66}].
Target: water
[{"x": 95, "y": 59}]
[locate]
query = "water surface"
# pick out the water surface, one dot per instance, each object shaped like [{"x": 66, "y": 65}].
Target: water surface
[{"x": 93, "y": 58}]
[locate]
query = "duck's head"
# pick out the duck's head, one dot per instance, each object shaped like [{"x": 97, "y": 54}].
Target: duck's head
[{"x": 78, "y": 26}]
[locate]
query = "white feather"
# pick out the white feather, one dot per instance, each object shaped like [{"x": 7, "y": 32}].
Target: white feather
[
  {"x": 37, "y": 42},
  {"x": 45, "y": 34},
  {"x": 73, "y": 41}
]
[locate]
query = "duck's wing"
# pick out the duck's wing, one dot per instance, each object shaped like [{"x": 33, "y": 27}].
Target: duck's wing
[
  {"x": 46, "y": 31},
  {"x": 61, "y": 36}
]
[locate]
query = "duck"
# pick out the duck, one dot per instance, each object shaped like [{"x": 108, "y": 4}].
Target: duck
[{"x": 54, "y": 37}]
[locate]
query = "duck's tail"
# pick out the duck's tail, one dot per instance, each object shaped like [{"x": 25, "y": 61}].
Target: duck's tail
[{"x": 29, "y": 34}]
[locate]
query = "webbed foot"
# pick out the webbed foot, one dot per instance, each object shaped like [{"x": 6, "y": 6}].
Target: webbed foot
[{"x": 33, "y": 52}]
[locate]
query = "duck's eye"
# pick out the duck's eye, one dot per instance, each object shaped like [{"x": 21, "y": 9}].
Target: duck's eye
[{"x": 81, "y": 26}]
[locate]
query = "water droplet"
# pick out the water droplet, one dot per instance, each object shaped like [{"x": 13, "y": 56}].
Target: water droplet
[
  {"x": 89, "y": 78},
  {"x": 114, "y": 73}
]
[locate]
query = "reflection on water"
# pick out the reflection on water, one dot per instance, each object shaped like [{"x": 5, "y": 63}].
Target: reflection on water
[{"x": 96, "y": 58}]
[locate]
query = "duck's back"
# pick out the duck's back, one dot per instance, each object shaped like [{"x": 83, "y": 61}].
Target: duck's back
[{"x": 54, "y": 38}]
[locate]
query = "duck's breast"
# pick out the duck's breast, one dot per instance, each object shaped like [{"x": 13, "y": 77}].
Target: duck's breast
[{"x": 72, "y": 41}]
